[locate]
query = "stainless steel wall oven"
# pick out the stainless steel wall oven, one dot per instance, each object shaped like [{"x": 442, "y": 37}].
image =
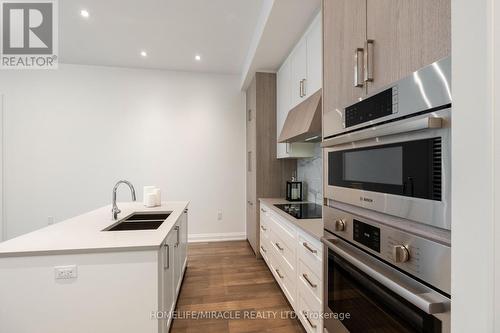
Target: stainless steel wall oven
[{"x": 380, "y": 279}]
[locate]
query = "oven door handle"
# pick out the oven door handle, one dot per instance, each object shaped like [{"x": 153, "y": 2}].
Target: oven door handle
[
  {"x": 402, "y": 126},
  {"x": 430, "y": 301}
]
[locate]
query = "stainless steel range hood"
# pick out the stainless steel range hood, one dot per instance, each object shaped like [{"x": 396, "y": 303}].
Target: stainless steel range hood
[{"x": 303, "y": 123}]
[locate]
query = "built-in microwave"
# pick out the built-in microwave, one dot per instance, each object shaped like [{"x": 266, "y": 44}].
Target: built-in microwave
[{"x": 394, "y": 155}]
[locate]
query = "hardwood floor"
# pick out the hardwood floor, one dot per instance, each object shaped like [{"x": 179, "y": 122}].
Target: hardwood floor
[{"x": 227, "y": 278}]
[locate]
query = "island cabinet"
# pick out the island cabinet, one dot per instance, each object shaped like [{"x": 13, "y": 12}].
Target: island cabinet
[
  {"x": 74, "y": 276},
  {"x": 172, "y": 260},
  {"x": 368, "y": 44},
  {"x": 295, "y": 259}
]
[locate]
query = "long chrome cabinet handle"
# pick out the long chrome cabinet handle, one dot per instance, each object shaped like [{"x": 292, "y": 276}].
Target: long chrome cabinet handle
[
  {"x": 278, "y": 246},
  {"x": 431, "y": 302},
  {"x": 313, "y": 285},
  {"x": 301, "y": 88},
  {"x": 304, "y": 87},
  {"x": 309, "y": 248},
  {"x": 177, "y": 229},
  {"x": 166, "y": 261},
  {"x": 308, "y": 320},
  {"x": 368, "y": 60},
  {"x": 279, "y": 274},
  {"x": 358, "y": 73}
]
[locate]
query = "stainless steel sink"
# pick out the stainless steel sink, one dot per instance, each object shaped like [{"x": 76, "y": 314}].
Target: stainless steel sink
[
  {"x": 140, "y": 221},
  {"x": 147, "y": 216}
]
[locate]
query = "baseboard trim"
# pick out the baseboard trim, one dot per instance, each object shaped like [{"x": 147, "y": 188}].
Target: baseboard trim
[{"x": 217, "y": 237}]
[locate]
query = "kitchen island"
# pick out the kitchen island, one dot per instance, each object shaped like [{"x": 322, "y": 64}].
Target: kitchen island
[{"x": 78, "y": 276}]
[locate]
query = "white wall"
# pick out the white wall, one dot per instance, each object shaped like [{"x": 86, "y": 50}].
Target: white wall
[
  {"x": 70, "y": 134},
  {"x": 476, "y": 161}
]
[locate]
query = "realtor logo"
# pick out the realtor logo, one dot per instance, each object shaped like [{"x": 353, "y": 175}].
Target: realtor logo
[{"x": 29, "y": 34}]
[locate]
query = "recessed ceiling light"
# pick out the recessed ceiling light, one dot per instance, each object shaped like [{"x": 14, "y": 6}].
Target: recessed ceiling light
[
  {"x": 197, "y": 57},
  {"x": 84, "y": 13},
  {"x": 144, "y": 54}
]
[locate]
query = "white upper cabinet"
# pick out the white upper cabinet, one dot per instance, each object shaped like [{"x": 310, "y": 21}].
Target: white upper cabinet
[
  {"x": 314, "y": 58},
  {"x": 299, "y": 77},
  {"x": 283, "y": 106},
  {"x": 307, "y": 64},
  {"x": 299, "y": 72}
]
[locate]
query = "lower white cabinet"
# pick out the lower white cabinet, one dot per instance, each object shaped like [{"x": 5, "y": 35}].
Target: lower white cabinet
[
  {"x": 295, "y": 259},
  {"x": 173, "y": 259}
]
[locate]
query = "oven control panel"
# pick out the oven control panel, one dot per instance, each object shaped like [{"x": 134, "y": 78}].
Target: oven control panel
[
  {"x": 377, "y": 106},
  {"x": 366, "y": 234},
  {"x": 423, "y": 258}
]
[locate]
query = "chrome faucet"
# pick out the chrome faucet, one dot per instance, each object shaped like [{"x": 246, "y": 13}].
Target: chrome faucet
[{"x": 115, "y": 211}]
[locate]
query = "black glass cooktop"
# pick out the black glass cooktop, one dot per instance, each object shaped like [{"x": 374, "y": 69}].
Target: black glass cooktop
[{"x": 302, "y": 210}]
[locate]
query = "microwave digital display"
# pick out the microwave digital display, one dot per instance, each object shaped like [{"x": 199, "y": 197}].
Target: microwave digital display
[{"x": 377, "y": 106}]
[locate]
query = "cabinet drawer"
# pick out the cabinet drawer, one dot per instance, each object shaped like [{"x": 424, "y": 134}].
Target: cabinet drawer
[
  {"x": 285, "y": 278},
  {"x": 309, "y": 313},
  {"x": 286, "y": 230},
  {"x": 284, "y": 253},
  {"x": 264, "y": 227},
  {"x": 264, "y": 210},
  {"x": 309, "y": 282},
  {"x": 310, "y": 251},
  {"x": 264, "y": 218},
  {"x": 265, "y": 248}
]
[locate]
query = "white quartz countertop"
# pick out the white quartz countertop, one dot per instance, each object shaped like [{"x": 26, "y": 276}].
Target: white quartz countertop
[
  {"x": 84, "y": 233},
  {"x": 313, "y": 227}
]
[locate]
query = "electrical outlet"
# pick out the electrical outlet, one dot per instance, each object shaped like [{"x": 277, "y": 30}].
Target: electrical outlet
[
  {"x": 50, "y": 220},
  {"x": 219, "y": 215},
  {"x": 65, "y": 272}
]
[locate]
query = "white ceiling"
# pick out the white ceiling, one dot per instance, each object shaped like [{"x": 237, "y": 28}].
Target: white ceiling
[
  {"x": 171, "y": 31},
  {"x": 280, "y": 26}
]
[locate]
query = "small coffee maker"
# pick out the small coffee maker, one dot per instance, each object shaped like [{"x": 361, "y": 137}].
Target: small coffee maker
[{"x": 293, "y": 190}]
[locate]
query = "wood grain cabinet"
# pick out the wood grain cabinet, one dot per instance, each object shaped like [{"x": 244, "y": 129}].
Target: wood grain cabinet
[
  {"x": 266, "y": 174},
  {"x": 407, "y": 35},
  {"x": 368, "y": 44},
  {"x": 344, "y": 35}
]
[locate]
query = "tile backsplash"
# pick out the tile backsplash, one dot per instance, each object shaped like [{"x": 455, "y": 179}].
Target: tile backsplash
[{"x": 310, "y": 171}]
